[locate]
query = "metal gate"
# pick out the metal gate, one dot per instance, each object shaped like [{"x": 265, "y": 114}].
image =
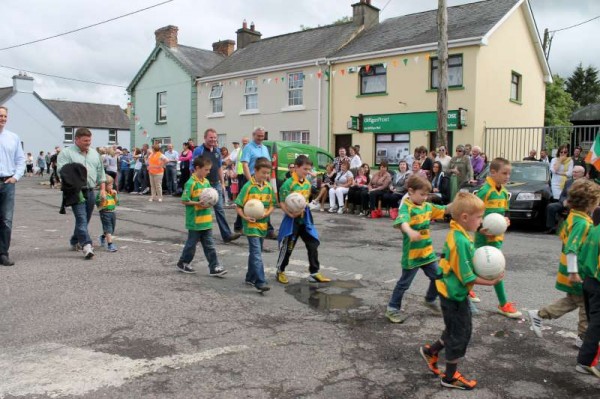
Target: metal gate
[{"x": 514, "y": 143}]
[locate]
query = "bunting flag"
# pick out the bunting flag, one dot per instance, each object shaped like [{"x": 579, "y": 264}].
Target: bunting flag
[
  {"x": 593, "y": 156},
  {"x": 405, "y": 61},
  {"x": 269, "y": 81},
  {"x": 427, "y": 56},
  {"x": 276, "y": 80},
  {"x": 327, "y": 74},
  {"x": 416, "y": 59},
  {"x": 282, "y": 79},
  {"x": 395, "y": 63},
  {"x": 342, "y": 72},
  {"x": 333, "y": 73},
  {"x": 367, "y": 68},
  {"x": 385, "y": 65},
  {"x": 319, "y": 74}
]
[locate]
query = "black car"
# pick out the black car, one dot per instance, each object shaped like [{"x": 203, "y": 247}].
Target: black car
[{"x": 529, "y": 189}]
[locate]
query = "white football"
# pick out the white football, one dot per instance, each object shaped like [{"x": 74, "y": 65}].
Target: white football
[
  {"x": 488, "y": 262},
  {"x": 254, "y": 209},
  {"x": 495, "y": 224},
  {"x": 295, "y": 202},
  {"x": 209, "y": 197}
]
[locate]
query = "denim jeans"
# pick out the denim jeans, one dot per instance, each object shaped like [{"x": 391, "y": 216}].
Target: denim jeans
[
  {"x": 137, "y": 181},
  {"x": 109, "y": 222},
  {"x": 83, "y": 214},
  {"x": 208, "y": 245},
  {"x": 7, "y": 206},
  {"x": 408, "y": 275},
  {"x": 220, "y": 214},
  {"x": 171, "y": 175},
  {"x": 256, "y": 270}
]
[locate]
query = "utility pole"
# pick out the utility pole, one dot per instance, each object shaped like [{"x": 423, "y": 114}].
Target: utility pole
[{"x": 442, "y": 99}]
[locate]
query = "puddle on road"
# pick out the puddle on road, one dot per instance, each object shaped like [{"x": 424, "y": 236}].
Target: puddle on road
[{"x": 333, "y": 296}]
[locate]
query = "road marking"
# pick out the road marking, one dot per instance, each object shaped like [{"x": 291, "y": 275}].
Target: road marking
[
  {"x": 58, "y": 370},
  {"x": 122, "y": 208}
]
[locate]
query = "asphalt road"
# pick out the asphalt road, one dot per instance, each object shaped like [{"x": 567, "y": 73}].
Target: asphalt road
[{"x": 128, "y": 325}]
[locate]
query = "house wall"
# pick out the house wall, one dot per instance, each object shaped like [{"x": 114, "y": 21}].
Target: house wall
[
  {"x": 164, "y": 74},
  {"x": 273, "y": 111},
  {"x": 100, "y": 138}
]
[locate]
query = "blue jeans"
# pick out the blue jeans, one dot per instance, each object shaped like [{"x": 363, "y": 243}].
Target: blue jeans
[
  {"x": 256, "y": 270},
  {"x": 83, "y": 214},
  {"x": 137, "y": 181},
  {"x": 109, "y": 222},
  {"x": 408, "y": 275},
  {"x": 220, "y": 214},
  {"x": 208, "y": 245},
  {"x": 7, "y": 206},
  {"x": 171, "y": 176}
]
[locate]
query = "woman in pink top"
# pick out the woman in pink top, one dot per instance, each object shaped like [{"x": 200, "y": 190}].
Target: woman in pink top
[
  {"x": 185, "y": 158},
  {"x": 378, "y": 186},
  {"x": 361, "y": 183}
]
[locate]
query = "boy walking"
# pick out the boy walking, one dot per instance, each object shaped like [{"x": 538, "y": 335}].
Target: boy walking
[
  {"x": 413, "y": 219},
  {"x": 456, "y": 281},
  {"x": 256, "y": 229},
  {"x": 299, "y": 224},
  {"x": 108, "y": 216},
  {"x": 198, "y": 221}
]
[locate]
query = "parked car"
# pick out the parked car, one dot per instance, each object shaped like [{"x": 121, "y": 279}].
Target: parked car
[{"x": 529, "y": 189}]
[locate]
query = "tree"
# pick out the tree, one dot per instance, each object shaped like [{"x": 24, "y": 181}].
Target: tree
[
  {"x": 559, "y": 107},
  {"x": 584, "y": 85}
]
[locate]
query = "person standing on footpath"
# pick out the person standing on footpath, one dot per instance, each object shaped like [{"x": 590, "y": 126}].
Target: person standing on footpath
[
  {"x": 12, "y": 167},
  {"x": 241, "y": 179},
  {"x": 82, "y": 153},
  {"x": 209, "y": 150},
  {"x": 171, "y": 169}
]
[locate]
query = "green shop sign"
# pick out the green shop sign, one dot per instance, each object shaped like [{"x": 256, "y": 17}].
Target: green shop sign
[{"x": 394, "y": 123}]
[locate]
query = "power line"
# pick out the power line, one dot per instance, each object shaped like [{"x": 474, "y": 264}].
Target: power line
[
  {"x": 386, "y": 4},
  {"x": 85, "y": 27},
  {"x": 576, "y": 25},
  {"x": 63, "y": 77}
]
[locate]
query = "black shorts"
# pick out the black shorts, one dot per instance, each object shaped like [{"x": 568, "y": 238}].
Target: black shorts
[{"x": 456, "y": 336}]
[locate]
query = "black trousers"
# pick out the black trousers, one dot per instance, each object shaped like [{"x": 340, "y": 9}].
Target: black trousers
[
  {"x": 392, "y": 200},
  {"x": 286, "y": 247},
  {"x": 370, "y": 199},
  {"x": 591, "y": 296},
  {"x": 457, "y": 334},
  {"x": 354, "y": 195}
]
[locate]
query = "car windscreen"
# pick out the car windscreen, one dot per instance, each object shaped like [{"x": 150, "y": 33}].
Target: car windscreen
[{"x": 529, "y": 172}]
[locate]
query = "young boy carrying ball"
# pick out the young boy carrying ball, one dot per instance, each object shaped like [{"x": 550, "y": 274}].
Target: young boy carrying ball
[{"x": 453, "y": 287}]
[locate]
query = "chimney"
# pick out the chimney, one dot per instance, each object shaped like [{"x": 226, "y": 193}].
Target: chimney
[
  {"x": 365, "y": 14},
  {"x": 22, "y": 83},
  {"x": 225, "y": 47},
  {"x": 246, "y": 36},
  {"x": 167, "y": 35}
]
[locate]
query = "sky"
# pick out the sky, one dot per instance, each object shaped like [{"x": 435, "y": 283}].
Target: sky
[{"x": 114, "y": 52}]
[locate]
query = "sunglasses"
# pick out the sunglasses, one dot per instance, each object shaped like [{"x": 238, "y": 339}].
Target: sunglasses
[
  {"x": 564, "y": 152},
  {"x": 459, "y": 151}
]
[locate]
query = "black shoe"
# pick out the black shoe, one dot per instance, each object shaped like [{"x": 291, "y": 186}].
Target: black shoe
[
  {"x": 238, "y": 231},
  {"x": 232, "y": 237},
  {"x": 218, "y": 272},
  {"x": 5, "y": 261},
  {"x": 185, "y": 267},
  {"x": 271, "y": 235},
  {"x": 262, "y": 287},
  {"x": 250, "y": 283}
]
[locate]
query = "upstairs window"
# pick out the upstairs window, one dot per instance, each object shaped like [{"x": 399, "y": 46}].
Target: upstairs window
[
  {"x": 297, "y": 136},
  {"x": 68, "y": 135},
  {"x": 295, "y": 88},
  {"x": 216, "y": 98},
  {"x": 251, "y": 94},
  {"x": 112, "y": 136},
  {"x": 161, "y": 106},
  {"x": 515, "y": 87},
  {"x": 373, "y": 79},
  {"x": 455, "y": 71}
]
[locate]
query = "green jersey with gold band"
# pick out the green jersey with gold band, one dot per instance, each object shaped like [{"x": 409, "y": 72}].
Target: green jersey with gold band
[
  {"x": 496, "y": 201},
  {"x": 589, "y": 255},
  {"x": 294, "y": 185},
  {"x": 418, "y": 253},
  {"x": 196, "y": 218},
  {"x": 109, "y": 204},
  {"x": 265, "y": 194},
  {"x": 573, "y": 234}
]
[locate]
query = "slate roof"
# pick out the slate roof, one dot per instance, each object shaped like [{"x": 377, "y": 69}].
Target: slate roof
[
  {"x": 305, "y": 45},
  {"x": 78, "y": 114},
  {"x": 196, "y": 62},
  {"x": 588, "y": 113},
  {"x": 5, "y": 93},
  {"x": 464, "y": 21}
]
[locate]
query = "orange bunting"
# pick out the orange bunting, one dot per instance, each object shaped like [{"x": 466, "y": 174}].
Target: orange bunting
[
  {"x": 395, "y": 63},
  {"x": 367, "y": 68}
]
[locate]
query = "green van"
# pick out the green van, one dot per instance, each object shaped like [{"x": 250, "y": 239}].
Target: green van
[{"x": 284, "y": 153}]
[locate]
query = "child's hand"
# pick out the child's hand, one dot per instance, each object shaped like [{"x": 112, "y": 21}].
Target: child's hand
[
  {"x": 498, "y": 279},
  {"x": 249, "y": 219},
  {"x": 507, "y": 221},
  {"x": 486, "y": 233},
  {"x": 414, "y": 235},
  {"x": 575, "y": 278}
]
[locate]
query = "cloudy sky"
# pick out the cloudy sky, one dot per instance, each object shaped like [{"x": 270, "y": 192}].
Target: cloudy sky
[{"x": 114, "y": 52}]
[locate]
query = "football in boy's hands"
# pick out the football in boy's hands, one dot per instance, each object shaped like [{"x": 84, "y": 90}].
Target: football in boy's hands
[
  {"x": 494, "y": 224},
  {"x": 209, "y": 197},
  {"x": 295, "y": 203},
  {"x": 254, "y": 209},
  {"x": 488, "y": 262}
]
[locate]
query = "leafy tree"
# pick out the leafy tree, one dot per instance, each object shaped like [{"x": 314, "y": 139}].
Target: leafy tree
[
  {"x": 559, "y": 107},
  {"x": 584, "y": 85}
]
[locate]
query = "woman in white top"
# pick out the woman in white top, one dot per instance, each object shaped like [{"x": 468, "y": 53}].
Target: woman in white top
[
  {"x": 443, "y": 158},
  {"x": 561, "y": 168},
  {"x": 341, "y": 185},
  {"x": 355, "y": 161}
]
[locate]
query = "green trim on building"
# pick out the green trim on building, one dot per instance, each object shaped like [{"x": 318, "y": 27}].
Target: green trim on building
[
  {"x": 371, "y": 95},
  {"x": 194, "y": 114},
  {"x": 414, "y": 121}
]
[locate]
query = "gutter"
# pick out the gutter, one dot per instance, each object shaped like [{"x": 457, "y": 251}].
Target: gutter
[{"x": 257, "y": 71}]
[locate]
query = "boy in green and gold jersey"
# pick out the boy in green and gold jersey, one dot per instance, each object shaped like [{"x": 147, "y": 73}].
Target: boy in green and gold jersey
[
  {"x": 256, "y": 229},
  {"x": 198, "y": 221},
  {"x": 108, "y": 215},
  {"x": 457, "y": 279},
  {"x": 495, "y": 197},
  {"x": 413, "y": 219}
]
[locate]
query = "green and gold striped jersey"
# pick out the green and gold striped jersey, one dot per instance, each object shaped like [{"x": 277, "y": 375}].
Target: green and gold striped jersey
[
  {"x": 418, "y": 253},
  {"x": 265, "y": 194},
  {"x": 573, "y": 234},
  {"x": 196, "y": 218},
  {"x": 109, "y": 204},
  {"x": 294, "y": 185},
  {"x": 588, "y": 259},
  {"x": 496, "y": 201}
]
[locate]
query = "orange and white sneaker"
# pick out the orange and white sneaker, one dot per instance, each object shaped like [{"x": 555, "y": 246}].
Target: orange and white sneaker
[
  {"x": 431, "y": 360},
  {"x": 509, "y": 310},
  {"x": 458, "y": 382},
  {"x": 473, "y": 297}
]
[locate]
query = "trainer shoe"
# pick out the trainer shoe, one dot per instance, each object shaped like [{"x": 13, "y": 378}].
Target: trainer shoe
[
  {"x": 102, "y": 240},
  {"x": 250, "y": 283},
  {"x": 433, "y": 305},
  {"x": 473, "y": 307},
  {"x": 578, "y": 342},
  {"x": 509, "y": 310},
  {"x": 313, "y": 205},
  {"x": 76, "y": 247},
  {"x": 185, "y": 267},
  {"x": 232, "y": 237},
  {"x": 262, "y": 287},
  {"x": 88, "y": 251},
  {"x": 431, "y": 360},
  {"x": 395, "y": 316},
  {"x": 473, "y": 297},
  {"x": 333, "y": 210},
  {"x": 318, "y": 278},
  {"x": 458, "y": 382},
  {"x": 111, "y": 247},
  {"x": 218, "y": 272},
  {"x": 580, "y": 368},
  {"x": 536, "y": 322},
  {"x": 282, "y": 278}
]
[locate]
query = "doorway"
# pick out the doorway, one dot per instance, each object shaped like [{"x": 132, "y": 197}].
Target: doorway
[
  {"x": 433, "y": 141},
  {"x": 342, "y": 140}
]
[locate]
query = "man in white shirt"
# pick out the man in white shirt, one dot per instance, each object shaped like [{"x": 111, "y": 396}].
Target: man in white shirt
[
  {"x": 171, "y": 169},
  {"x": 12, "y": 167}
]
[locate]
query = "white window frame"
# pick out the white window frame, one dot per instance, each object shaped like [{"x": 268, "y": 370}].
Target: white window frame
[
  {"x": 378, "y": 75},
  {"x": 250, "y": 94},
  {"x": 69, "y": 132},
  {"x": 295, "y": 89},
  {"x": 297, "y": 136},
  {"x": 114, "y": 134},
  {"x": 161, "y": 107},
  {"x": 216, "y": 98},
  {"x": 221, "y": 139}
]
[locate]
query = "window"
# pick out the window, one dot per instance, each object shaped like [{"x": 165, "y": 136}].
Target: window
[
  {"x": 455, "y": 71},
  {"x": 162, "y": 141},
  {"x": 216, "y": 98},
  {"x": 515, "y": 87},
  {"x": 295, "y": 88},
  {"x": 68, "y": 135},
  {"x": 323, "y": 159},
  {"x": 221, "y": 140},
  {"x": 161, "y": 107},
  {"x": 251, "y": 94},
  {"x": 373, "y": 80},
  {"x": 297, "y": 136},
  {"x": 112, "y": 136},
  {"x": 391, "y": 147}
]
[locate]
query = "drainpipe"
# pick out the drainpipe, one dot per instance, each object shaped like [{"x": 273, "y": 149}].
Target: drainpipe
[
  {"x": 319, "y": 115},
  {"x": 330, "y": 87}
]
